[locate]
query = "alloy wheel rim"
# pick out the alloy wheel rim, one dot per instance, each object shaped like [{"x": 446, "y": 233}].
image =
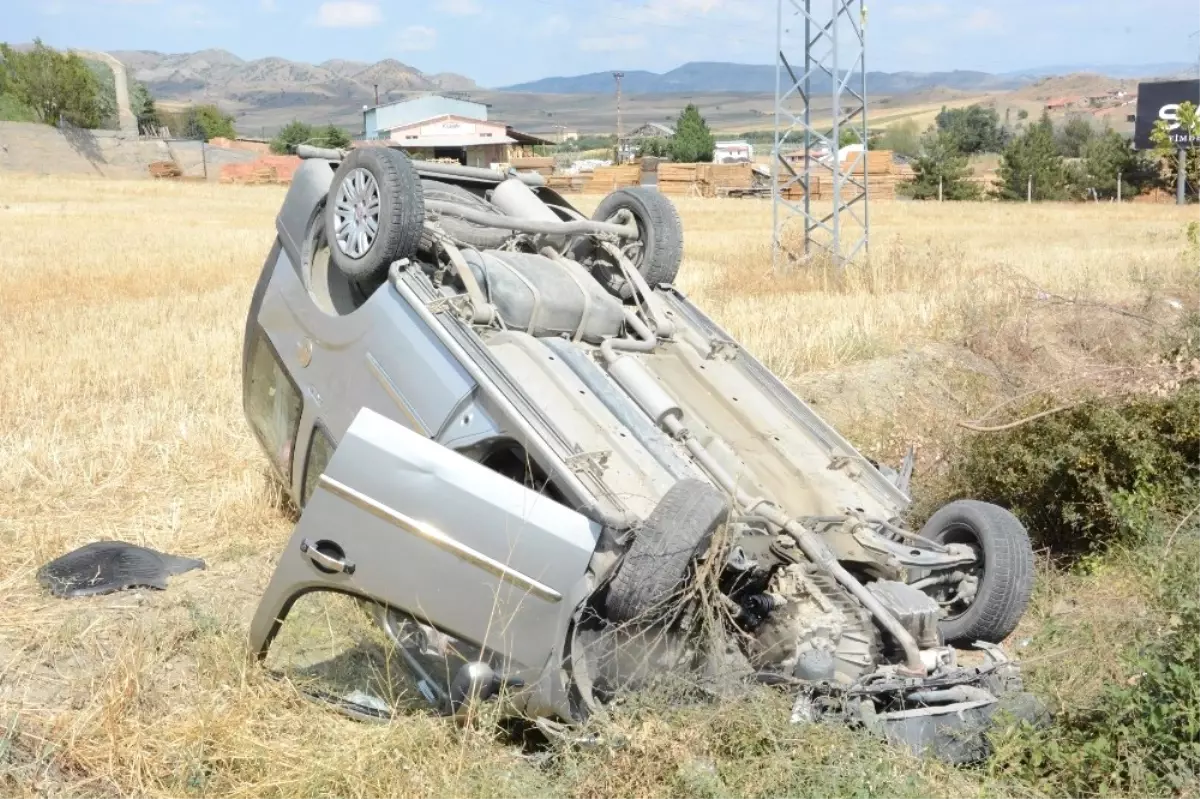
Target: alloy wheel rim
[{"x": 356, "y": 213}]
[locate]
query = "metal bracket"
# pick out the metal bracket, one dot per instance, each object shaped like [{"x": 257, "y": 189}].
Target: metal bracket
[
  {"x": 459, "y": 305},
  {"x": 593, "y": 463}
]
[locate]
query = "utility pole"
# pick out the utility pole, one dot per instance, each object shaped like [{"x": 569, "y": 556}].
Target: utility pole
[
  {"x": 1181, "y": 183},
  {"x": 618, "y": 76}
]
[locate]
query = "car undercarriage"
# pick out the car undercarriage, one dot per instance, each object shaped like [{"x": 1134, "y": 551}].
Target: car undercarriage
[{"x": 549, "y": 476}]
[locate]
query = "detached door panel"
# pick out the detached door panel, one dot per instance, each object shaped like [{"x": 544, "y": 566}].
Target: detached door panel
[{"x": 400, "y": 519}]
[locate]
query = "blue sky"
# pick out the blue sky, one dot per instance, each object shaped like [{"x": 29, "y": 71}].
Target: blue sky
[{"x": 498, "y": 42}]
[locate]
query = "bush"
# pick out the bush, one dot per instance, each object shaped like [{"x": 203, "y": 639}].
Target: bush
[
  {"x": 295, "y": 133},
  {"x": 205, "y": 122},
  {"x": 13, "y": 110},
  {"x": 1087, "y": 478},
  {"x": 1142, "y": 736}
]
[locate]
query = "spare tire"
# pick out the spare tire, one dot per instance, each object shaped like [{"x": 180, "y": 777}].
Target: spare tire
[
  {"x": 374, "y": 213},
  {"x": 478, "y": 236},
  {"x": 656, "y": 565},
  {"x": 660, "y": 246},
  {"x": 1005, "y": 576}
]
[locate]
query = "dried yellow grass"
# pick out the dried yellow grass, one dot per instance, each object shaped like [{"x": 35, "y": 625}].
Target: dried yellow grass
[{"x": 120, "y": 417}]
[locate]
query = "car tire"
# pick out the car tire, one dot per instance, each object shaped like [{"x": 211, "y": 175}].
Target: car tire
[
  {"x": 661, "y": 240},
  {"x": 1006, "y": 578},
  {"x": 475, "y": 235},
  {"x": 379, "y": 186},
  {"x": 657, "y": 563}
]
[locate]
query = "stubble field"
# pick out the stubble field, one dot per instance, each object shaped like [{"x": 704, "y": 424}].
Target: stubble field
[{"x": 121, "y": 312}]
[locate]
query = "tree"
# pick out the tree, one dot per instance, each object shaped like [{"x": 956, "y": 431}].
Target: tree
[
  {"x": 1166, "y": 146},
  {"x": 1022, "y": 114},
  {"x": 903, "y": 138},
  {"x": 975, "y": 129},
  {"x": 142, "y": 105},
  {"x": 654, "y": 146},
  {"x": 295, "y": 133},
  {"x": 1074, "y": 136},
  {"x": 106, "y": 95},
  {"x": 940, "y": 163},
  {"x": 1108, "y": 155},
  {"x": 291, "y": 134},
  {"x": 1034, "y": 154},
  {"x": 55, "y": 87},
  {"x": 207, "y": 122},
  {"x": 693, "y": 141},
  {"x": 332, "y": 136}
]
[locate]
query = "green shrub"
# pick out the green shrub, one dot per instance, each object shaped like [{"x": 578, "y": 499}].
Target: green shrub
[
  {"x": 13, "y": 110},
  {"x": 1142, "y": 736},
  {"x": 1090, "y": 477}
]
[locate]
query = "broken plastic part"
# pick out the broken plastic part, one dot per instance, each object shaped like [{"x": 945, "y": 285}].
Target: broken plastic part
[{"x": 107, "y": 566}]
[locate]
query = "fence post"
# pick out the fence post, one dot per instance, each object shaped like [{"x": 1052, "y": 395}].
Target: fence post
[
  {"x": 1029, "y": 191},
  {"x": 939, "y": 188},
  {"x": 1118, "y": 187}
]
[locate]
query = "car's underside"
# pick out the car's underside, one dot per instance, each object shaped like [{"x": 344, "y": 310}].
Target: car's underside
[{"x": 738, "y": 536}]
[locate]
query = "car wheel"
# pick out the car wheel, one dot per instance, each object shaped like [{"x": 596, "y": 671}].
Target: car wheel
[
  {"x": 658, "y": 251},
  {"x": 475, "y": 235},
  {"x": 657, "y": 563},
  {"x": 1003, "y": 576},
  {"x": 374, "y": 213}
]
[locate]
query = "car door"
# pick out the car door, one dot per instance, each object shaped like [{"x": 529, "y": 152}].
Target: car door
[{"x": 407, "y": 523}]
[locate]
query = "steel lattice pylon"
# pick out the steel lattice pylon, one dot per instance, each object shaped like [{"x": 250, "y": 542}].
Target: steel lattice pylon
[{"x": 805, "y": 152}]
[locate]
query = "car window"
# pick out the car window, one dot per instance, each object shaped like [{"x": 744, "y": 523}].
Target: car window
[
  {"x": 320, "y": 450},
  {"x": 273, "y": 406}
]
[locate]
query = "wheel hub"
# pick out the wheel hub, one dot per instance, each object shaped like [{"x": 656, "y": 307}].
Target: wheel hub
[{"x": 356, "y": 213}]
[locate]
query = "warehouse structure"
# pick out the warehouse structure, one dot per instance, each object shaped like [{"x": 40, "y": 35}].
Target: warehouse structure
[{"x": 443, "y": 128}]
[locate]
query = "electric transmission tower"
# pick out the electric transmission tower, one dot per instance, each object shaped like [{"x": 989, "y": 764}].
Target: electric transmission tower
[{"x": 819, "y": 201}]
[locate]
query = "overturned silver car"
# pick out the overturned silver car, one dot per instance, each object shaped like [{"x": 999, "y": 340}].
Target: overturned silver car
[{"x": 548, "y": 476}]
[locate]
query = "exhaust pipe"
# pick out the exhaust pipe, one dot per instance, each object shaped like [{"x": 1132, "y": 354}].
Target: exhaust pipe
[{"x": 642, "y": 386}]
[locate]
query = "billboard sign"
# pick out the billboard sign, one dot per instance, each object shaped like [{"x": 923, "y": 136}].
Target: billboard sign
[{"x": 1160, "y": 100}]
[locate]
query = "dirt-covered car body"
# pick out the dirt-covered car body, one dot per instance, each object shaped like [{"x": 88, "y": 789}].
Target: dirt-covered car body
[{"x": 519, "y": 439}]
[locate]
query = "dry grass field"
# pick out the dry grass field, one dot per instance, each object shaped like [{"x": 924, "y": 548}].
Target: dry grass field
[{"x": 121, "y": 312}]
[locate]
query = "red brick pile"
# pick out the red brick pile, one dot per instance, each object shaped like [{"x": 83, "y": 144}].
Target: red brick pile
[{"x": 267, "y": 169}]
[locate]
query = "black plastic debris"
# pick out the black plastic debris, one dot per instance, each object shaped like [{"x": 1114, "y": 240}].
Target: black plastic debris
[{"x": 107, "y": 566}]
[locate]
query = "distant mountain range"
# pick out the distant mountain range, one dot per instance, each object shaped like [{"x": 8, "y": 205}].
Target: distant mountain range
[
  {"x": 264, "y": 94},
  {"x": 700, "y": 76},
  {"x": 218, "y": 75}
]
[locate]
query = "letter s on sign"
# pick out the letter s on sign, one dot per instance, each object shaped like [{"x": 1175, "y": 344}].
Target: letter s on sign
[{"x": 1170, "y": 113}]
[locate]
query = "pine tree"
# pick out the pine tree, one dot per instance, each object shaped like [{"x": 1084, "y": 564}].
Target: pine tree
[
  {"x": 1034, "y": 154},
  {"x": 940, "y": 162},
  {"x": 693, "y": 141},
  {"x": 1109, "y": 155}
]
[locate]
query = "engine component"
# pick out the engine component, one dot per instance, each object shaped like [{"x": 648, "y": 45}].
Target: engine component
[
  {"x": 815, "y": 664},
  {"x": 813, "y": 619},
  {"x": 545, "y": 298},
  {"x": 916, "y": 610}
]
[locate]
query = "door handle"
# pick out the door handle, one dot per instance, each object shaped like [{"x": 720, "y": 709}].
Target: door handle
[{"x": 325, "y": 561}]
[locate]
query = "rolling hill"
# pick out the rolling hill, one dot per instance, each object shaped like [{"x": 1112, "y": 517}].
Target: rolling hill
[
  {"x": 714, "y": 76},
  {"x": 264, "y": 94}
]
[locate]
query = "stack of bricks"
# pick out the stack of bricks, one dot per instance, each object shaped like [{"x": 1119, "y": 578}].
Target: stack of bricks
[{"x": 268, "y": 169}]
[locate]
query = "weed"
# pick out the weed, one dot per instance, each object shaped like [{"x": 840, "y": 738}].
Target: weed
[{"x": 1092, "y": 476}]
